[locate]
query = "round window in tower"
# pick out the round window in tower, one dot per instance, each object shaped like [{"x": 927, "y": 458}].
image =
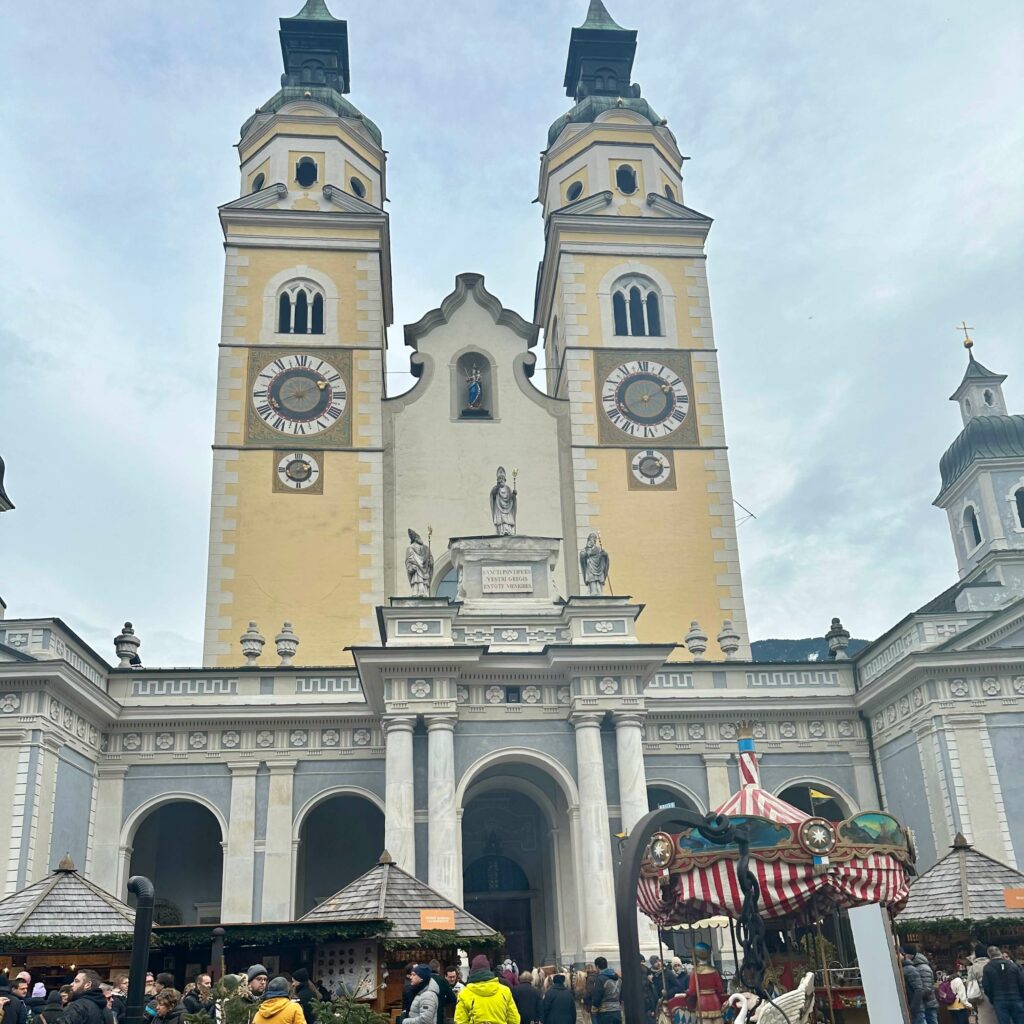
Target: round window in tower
[
  {"x": 358, "y": 188},
  {"x": 305, "y": 172},
  {"x": 258, "y": 182},
  {"x": 574, "y": 191},
  {"x": 625, "y": 179}
]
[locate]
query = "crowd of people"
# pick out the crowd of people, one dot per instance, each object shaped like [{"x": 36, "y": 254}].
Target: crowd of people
[{"x": 988, "y": 984}]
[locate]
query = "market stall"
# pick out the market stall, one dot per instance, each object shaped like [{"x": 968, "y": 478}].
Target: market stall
[
  {"x": 965, "y": 898},
  {"x": 63, "y": 923},
  {"x": 423, "y": 925}
]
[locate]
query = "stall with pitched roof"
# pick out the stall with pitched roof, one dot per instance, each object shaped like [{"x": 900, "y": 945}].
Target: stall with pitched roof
[{"x": 62, "y": 923}]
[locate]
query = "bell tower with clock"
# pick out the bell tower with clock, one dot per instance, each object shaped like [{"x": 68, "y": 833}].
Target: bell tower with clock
[
  {"x": 622, "y": 296},
  {"x": 296, "y": 513}
]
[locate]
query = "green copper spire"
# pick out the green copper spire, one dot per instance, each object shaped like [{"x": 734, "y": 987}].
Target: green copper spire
[
  {"x": 316, "y": 10},
  {"x": 598, "y": 17}
]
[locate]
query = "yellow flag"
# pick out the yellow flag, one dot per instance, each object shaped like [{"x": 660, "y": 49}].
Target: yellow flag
[{"x": 818, "y": 795}]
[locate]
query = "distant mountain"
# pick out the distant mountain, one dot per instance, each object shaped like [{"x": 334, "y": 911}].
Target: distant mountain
[{"x": 814, "y": 648}]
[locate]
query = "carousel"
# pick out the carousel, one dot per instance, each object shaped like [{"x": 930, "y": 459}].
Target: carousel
[{"x": 771, "y": 870}]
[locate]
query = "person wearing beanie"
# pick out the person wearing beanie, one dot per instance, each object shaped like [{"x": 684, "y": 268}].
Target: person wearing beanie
[
  {"x": 559, "y": 1006},
  {"x": 423, "y": 1008},
  {"x": 305, "y": 993},
  {"x": 257, "y": 977},
  {"x": 53, "y": 1009},
  {"x": 485, "y": 1000},
  {"x": 277, "y": 1007}
]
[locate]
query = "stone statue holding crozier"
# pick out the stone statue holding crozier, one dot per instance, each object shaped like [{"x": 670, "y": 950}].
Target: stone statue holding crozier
[
  {"x": 419, "y": 565},
  {"x": 503, "y": 505},
  {"x": 594, "y": 564}
]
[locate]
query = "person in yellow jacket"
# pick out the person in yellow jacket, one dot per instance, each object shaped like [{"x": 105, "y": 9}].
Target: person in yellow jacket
[
  {"x": 485, "y": 1000},
  {"x": 277, "y": 1006}
]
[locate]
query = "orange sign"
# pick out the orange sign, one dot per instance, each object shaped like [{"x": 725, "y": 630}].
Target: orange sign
[
  {"x": 1014, "y": 899},
  {"x": 440, "y": 920}
]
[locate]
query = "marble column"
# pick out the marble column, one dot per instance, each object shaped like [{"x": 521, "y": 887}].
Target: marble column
[
  {"x": 278, "y": 859},
  {"x": 107, "y": 852},
  {"x": 600, "y": 936},
  {"x": 633, "y": 802},
  {"x": 629, "y": 753},
  {"x": 443, "y": 831},
  {"x": 399, "y": 802},
  {"x": 236, "y": 893}
]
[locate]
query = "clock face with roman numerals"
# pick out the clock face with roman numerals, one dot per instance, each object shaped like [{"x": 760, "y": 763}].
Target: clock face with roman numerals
[
  {"x": 299, "y": 394},
  {"x": 645, "y": 399}
]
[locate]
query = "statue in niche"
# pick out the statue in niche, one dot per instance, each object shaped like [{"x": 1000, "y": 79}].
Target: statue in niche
[
  {"x": 419, "y": 565},
  {"x": 594, "y": 564},
  {"x": 504, "y": 500},
  {"x": 474, "y": 389}
]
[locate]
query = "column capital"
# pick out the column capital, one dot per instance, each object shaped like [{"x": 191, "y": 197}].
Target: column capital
[
  {"x": 280, "y": 767},
  {"x": 586, "y": 719},
  {"x": 440, "y": 723},
  {"x": 629, "y": 719},
  {"x": 716, "y": 757},
  {"x": 111, "y": 771},
  {"x": 398, "y": 723},
  {"x": 243, "y": 768}
]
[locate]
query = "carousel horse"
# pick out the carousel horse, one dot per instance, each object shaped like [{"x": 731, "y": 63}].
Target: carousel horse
[{"x": 789, "y": 1008}]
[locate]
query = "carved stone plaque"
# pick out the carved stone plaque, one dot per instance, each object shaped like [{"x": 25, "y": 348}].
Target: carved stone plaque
[{"x": 506, "y": 579}]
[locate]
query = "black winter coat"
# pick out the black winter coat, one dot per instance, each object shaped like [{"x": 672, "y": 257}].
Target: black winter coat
[
  {"x": 1002, "y": 980},
  {"x": 527, "y": 1000},
  {"x": 89, "y": 1007},
  {"x": 559, "y": 1006}
]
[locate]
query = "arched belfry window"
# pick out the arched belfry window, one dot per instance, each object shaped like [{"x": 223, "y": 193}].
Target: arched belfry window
[
  {"x": 972, "y": 531},
  {"x": 300, "y": 309},
  {"x": 1018, "y": 498},
  {"x": 636, "y": 307}
]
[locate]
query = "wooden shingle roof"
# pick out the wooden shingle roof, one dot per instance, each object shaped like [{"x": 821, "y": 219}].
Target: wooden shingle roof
[
  {"x": 386, "y": 891},
  {"x": 65, "y": 903},
  {"x": 965, "y": 885}
]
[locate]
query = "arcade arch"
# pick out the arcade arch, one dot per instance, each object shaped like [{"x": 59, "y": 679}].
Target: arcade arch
[
  {"x": 338, "y": 836},
  {"x": 177, "y": 841},
  {"x": 820, "y": 799}
]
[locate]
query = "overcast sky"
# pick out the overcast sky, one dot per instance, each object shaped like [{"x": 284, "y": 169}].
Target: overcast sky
[{"x": 864, "y": 163}]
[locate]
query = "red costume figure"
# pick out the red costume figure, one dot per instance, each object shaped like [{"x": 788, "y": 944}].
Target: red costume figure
[{"x": 706, "y": 993}]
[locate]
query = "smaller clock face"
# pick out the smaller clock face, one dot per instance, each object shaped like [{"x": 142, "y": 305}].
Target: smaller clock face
[
  {"x": 298, "y": 471},
  {"x": 299, "y": 394},
  {"x": 645, "y": 399},
  {"x": 651, "y": 467}
]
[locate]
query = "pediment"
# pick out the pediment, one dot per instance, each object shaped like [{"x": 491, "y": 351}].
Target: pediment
[
  {"x": 266, "y": 199},
  {"x": 669, "y": 208},
  {"x": 12, "y": 654},
  {"x": 1002, "y": 630}
]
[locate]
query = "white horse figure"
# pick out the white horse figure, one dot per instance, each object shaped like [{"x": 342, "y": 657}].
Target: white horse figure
[{"x": 789, "y": 1008}]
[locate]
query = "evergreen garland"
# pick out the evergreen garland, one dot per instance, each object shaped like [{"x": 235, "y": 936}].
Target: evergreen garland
[
  {"x": 443, "y": 940},
  {"x": 112, "y": 941},
  {"x": 946, "y": 925},
  {"x": 272, "y": 934}
]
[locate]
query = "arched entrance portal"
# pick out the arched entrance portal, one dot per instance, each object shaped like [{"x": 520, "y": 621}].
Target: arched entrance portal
[
  {"x": 178, "y": 847},
  {"x": 518, "y": 872},
  {"x": 340, "y": 839}
]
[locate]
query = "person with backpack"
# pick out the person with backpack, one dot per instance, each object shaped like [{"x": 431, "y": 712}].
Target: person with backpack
[
  {"x": 604, "y": 994},
  {"x": 952, "y": 994}
]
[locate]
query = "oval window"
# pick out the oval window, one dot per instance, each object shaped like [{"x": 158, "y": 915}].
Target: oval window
[
  {"x": 305, "y": 172},
  {"x": 358, "y": 188},
  {"x": 625, "y": 179},
  {"x": 258, "y": 182},
  {"x": 574, "y": 191}
]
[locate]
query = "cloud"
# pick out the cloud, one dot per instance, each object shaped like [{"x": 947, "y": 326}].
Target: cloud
[{"x": 861, "y": 162}]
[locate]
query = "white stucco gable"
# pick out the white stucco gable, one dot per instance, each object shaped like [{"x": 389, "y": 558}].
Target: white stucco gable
[{"x": 442, "y": 454}]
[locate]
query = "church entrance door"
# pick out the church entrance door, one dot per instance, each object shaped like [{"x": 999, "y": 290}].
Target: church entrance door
[{"x": 511, "y": 916}]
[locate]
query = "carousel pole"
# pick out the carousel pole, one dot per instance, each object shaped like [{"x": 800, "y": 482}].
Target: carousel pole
[{"x": 824, "y": 972}]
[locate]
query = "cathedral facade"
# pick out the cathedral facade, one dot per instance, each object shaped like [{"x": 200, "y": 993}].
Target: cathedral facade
[{"x": 488, "y": 623}]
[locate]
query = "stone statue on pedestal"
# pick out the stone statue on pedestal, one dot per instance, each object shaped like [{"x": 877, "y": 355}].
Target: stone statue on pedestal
[
  {"x": 419, "y": 565},
  {"x": 503, "y": 505},
  {"x": 594, "y": 564}
]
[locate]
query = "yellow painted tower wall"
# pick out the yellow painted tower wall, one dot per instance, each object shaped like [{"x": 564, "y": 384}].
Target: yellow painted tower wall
[
  {"x": 312, "y": 557},
  {"x": 673, "y": 545}
]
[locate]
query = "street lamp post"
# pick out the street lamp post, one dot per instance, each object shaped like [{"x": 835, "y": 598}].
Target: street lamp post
[{"x": 142, "y": 889}]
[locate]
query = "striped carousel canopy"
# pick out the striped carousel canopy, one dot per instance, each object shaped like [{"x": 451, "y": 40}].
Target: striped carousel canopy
[{"x": 805, "y": 866}]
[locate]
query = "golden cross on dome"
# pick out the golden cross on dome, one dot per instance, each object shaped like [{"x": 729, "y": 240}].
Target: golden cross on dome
[{"x": 968, "y": 340}]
